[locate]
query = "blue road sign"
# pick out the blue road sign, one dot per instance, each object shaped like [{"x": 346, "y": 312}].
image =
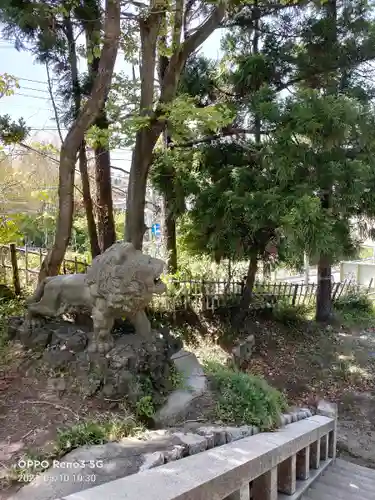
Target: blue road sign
[{"x": 155, "y": 229}]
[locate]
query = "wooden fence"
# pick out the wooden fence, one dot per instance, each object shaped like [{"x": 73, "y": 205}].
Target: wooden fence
[
  {"x": 20, "y": 267},
  {"x": 210, "y": 295}
]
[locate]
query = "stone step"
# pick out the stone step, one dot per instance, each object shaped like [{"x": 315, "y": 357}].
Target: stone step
[
  {"x": 346, "y": 481},
  {"x": 343, "y": 481},
  {"x": 349, "y": 466},
  {"x": 336, "y": 493}
]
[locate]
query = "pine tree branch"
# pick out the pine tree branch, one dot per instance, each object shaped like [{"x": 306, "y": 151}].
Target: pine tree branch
[{"x": 214, "y": 137}]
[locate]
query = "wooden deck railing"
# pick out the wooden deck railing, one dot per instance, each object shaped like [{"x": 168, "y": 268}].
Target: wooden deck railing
[{"x": 267, "y": 466}]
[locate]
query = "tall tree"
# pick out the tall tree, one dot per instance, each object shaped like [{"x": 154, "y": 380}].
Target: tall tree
[
  {"x": 72, "y": 95},
  {"x": 183, "y": 42},
  {"x": 90, "y": 16},
  {"x": 47, "y": 18}
]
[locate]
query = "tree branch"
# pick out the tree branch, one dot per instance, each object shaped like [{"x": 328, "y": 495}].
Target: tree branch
[
  {"x": 120, "y": 169},
  {"x": 53, "y": 103},
  {"x": 205, "y": 30},
  {"x": 214, "y": 137}
]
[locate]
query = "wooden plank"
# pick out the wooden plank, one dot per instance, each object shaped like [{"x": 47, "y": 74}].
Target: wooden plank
[
  {"x": 335, "y": 290},
  {"x": 300, "y": 293},
  {"x": 294, "y": 298}
]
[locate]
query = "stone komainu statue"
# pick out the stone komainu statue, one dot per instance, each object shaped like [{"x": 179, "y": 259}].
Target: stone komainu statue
[{"x": 120, "y": 282}]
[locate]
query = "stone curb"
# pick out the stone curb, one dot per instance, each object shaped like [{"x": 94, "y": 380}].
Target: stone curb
[{"x": 210, "y": 436}]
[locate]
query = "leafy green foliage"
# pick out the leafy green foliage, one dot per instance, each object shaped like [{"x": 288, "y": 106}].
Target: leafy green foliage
[
  {"x": 245, "y": 399},
  {"x": 10, "y": 131},
  {"x": 145, "y": 407},
  {"x": 354, "y": 301},
  {"x": 95, "y": 432},
  {"x": 355, "y": 309},
  {"x": 8, "y": 307},
  {"x": 288, "y": 314}
]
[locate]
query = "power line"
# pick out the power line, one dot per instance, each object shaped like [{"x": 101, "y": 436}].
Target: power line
[
  {"x": 29, "y": 80},
  {"x": 36, "y": 90},
  {"x": 31, "y": 96}
]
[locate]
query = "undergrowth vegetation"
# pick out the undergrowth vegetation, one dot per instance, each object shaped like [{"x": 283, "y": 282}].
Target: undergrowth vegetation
[
  {"x": 90, "y": 432},
  {"x": 96, "y": 432},
  {"x": 8, "y": 308},
  {"x": 244, "y": 398},
  {"x": 355, "y": 309}
]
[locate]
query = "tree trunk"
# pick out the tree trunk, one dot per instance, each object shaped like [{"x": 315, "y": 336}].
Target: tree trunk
[
  {"x": 146, "y": 138},
  {"x": 170, "y": 235},
  {"x": 75, "y": 136},
  {"x": 324, "y": 309},
  {"x": 76, "y": 88},
  {"x": 135, "y": 204},
  {"x": 324, "y": 292},
  {"x": 247, "y": 292},
  {"x": 106, "y": 222},
  {"x": 87, "y": 201},
  {"x": 104, "y": 207},
  {"x": 170, "y": 219}
]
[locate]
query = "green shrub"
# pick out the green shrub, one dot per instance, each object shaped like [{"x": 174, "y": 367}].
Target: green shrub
[
  {"x": 243, "y": 398},
  {"x": 354, "y": 302},
  {"x": 288, "y": 314},
  {"x": 8, "y": 307},
  {"x": 95, "y": 432},
  {"x": 355, "y": 309},
  {"x": 145, "y": 407}
]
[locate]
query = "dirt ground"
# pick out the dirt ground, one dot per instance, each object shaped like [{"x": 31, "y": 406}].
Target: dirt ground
[
  {"x": 306, "y": 361},
  {"x": 335, "y": 363},
  {"x": 31, "y": 412}
]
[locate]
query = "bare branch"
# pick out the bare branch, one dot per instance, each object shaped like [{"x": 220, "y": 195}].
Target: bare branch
[
  {"x": 120, "y": 169},
  {"x": 53, "y": 103}
]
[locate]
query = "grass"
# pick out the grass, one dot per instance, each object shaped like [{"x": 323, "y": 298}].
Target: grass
[
  {"x": 290, "y": 315},
  {"x": 355, "y": 309},
  {"x": 89, "y": 433},
  {"x": 96, "y": 432},
  {"x": 243, "y": 398},
  {"x": 12, "y": 307}
]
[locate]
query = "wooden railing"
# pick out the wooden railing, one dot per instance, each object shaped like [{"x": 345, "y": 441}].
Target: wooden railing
[{"x": 267, "y": 466}]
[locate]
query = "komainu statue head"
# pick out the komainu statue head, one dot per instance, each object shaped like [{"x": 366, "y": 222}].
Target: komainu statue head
[{"x": 125, "y": 278}]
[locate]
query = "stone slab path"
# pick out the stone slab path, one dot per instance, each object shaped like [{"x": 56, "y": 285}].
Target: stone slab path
[{"x": 343, "y": 481}]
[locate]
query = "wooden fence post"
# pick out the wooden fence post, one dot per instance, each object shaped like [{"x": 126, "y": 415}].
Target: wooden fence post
[
  {"x": 26, "y": 265},
  {"x": 40, "y": 258},
  {"x": 295, "y": 294},
  {"x": 3, "y": 268},
  {"x": 16, "y": 276}
]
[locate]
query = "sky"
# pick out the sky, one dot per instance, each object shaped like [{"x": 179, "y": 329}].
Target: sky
[{"x": 32, "y": 102}]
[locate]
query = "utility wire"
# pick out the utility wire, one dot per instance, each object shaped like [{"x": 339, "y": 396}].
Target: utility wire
[{"x": 31, "y": 96}]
